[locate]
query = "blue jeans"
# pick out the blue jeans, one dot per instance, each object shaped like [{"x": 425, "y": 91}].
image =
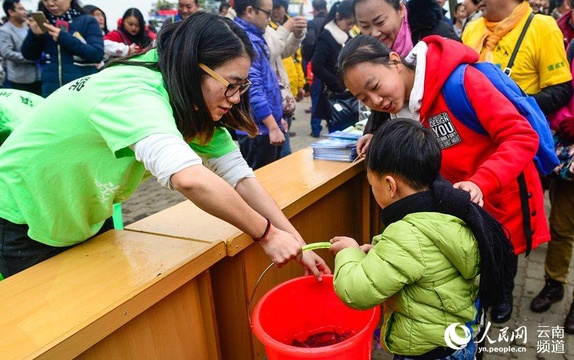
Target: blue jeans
[
  {"x": 468, "y": 353},
  {"x": 316, "y": 89},
  {"x": 286, "y": 147}
]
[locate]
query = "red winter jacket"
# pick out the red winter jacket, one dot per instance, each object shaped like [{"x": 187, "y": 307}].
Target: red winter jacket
[
  {"x": 492, "y": 162},
  {"x": 117, "y": 36}
]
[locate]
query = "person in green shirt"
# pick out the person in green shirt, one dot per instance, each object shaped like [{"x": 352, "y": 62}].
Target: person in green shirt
[
  {"x": 15, "y": 107},
  {"x": 163, "y": 111}
]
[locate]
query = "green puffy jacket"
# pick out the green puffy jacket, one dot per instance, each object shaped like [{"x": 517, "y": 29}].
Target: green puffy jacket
[{"x": 424, "y": 269}]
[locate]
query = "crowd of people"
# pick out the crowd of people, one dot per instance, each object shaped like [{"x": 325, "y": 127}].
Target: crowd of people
[{"x": 174, "y": 103}]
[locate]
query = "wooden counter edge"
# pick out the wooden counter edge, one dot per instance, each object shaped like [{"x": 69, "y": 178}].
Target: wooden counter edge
[{"x": 72, "y": 344}]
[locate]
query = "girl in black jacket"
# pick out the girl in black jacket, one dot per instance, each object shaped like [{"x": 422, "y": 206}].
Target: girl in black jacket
[{"x": 332, "y": 37}]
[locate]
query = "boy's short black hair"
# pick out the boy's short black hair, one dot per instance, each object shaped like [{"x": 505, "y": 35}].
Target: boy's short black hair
[{"x": 403, "y": 147}]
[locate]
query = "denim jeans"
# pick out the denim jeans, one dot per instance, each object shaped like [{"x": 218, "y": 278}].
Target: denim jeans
[
  {"x": 19, "y": 252},
  {"x": 316, "y": 89},
  {"x": 286, "y": 147},
  {"x": 468, "y": 353}
]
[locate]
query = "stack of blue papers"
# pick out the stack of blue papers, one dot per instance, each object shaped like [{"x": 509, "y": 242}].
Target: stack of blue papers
[
  {"x": 335, "y": 149},
  {"x": 345, "y": 135}
]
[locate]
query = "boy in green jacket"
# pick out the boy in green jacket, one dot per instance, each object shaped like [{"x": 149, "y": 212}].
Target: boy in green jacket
[{"x": 425, "y": 268}]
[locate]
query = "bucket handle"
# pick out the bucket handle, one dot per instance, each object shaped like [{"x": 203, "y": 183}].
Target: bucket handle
[{"x": 307, "y": 247}]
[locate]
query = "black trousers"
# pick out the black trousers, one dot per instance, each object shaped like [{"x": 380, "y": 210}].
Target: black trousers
[
  {"x": 258, "y": 151},
  {"x": 508, "y": 283},
  {"x": 18, "y": 251},
  {"x": 35, "y": 87}
]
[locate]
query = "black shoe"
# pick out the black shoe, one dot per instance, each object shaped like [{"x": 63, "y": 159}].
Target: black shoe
[
  {"x": 569, "y": 322},
  {"x": 552, "y": 292},
  {"x": 501, "y": 313},
  {"x": 314, "y": 135}
]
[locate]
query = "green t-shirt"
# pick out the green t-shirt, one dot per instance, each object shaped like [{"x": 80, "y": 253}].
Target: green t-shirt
[
  {"x": 15, "y": 107},
  {"x": 62, "y": 174}
]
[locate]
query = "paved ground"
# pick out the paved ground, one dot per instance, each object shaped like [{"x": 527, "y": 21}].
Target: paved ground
[{"x": 526, "y": 336}]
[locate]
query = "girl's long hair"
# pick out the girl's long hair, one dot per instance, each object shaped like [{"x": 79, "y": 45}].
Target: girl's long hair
[
  {"x": 204, "y": 38},
  {"x": 343, "y": 8},
  {"x": 142, "y": 38}
]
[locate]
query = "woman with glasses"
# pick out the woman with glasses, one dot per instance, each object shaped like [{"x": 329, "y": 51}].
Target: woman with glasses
[{"x": 88, "y": 146}]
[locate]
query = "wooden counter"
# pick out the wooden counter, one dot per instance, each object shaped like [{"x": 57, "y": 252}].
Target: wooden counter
[
  {"x": 322, "y": 199},
  {"x": 120, "y": 295},
  {"x": 295, "y": 182}
]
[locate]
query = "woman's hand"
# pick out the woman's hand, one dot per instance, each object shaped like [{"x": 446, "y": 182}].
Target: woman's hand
[
  {"x": 363, "y": 144},
  {"x": 33, "y": 25},
  {"x": 473, "y": 189},
  {"x": 276, "y": 136},
  {"x": 53, "y": 31},
  {"x": 281, "y": 246},
  {"x": 339, "y": 243},
  {"x": 133, "y": 49},
  {"x": 300, "y": 94},
  {"x": 284, "y": 125},
  {"x": 314, "y": 264}
]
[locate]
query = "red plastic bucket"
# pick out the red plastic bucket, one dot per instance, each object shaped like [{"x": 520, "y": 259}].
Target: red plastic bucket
[{"x": 302, "y": 307}]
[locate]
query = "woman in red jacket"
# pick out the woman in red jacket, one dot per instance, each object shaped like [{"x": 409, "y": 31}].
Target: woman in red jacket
[
  {"x": 132, "y": 35},
  {"x": 486, "y": 166}
]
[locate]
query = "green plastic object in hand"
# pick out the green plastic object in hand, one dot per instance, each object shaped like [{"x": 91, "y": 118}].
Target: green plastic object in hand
[{"x": 317, "y": 245}]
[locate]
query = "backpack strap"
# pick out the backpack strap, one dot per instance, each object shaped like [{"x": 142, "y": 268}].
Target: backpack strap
[
  {"x": 457, "y": 101},
  {"x": 508, "y": 69}
]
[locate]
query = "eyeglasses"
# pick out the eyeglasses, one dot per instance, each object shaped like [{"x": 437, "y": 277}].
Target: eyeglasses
[
  {"x": 231, "y": 89},
  {"x": 266, "y": 12}
]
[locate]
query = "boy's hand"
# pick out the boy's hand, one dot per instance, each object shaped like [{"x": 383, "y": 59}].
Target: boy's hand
[
  {"x": 341, "y": 242},
  {"x": 366, "y": 247}
]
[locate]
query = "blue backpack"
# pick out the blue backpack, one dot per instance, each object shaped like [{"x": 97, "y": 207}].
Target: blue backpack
[{"x": 457, "y": 101}]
